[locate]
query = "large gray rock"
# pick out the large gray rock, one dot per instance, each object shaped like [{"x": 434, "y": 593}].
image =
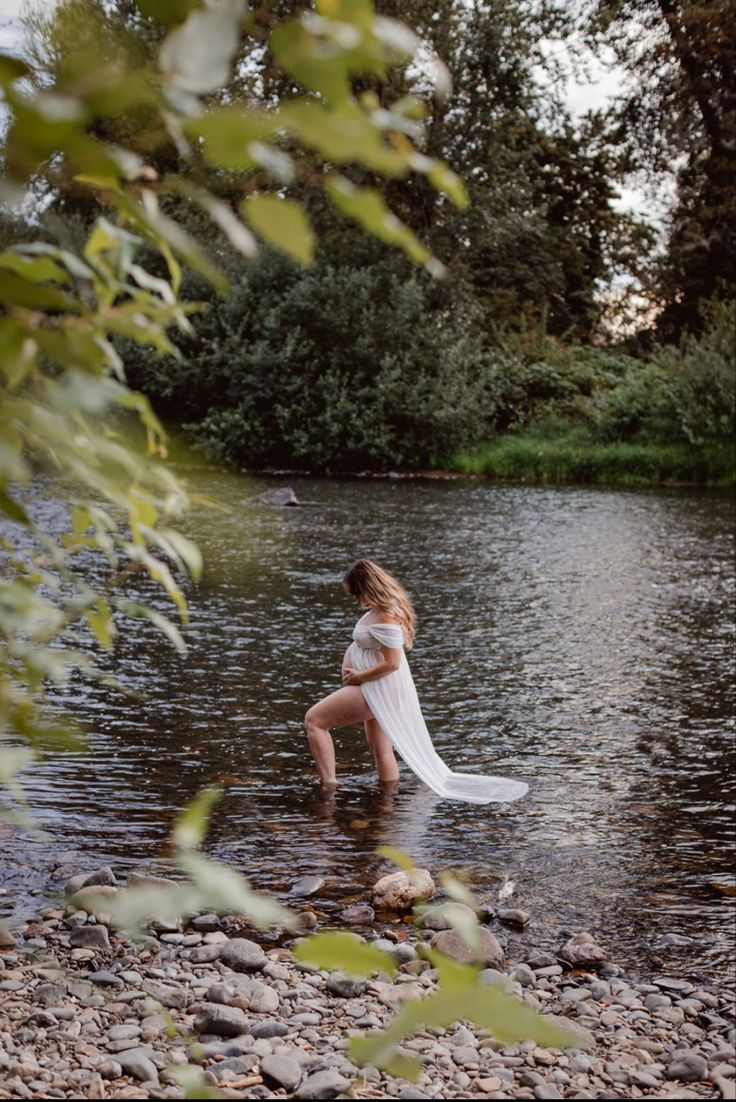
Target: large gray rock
[
  {"x": 283, "y": 1071},
  {"x": 400, "y": 891},
  {"x": 687, "y": 1066},
  {"x": 168, "y": 994},
  {"x": 89, "y": 937},
  {"x": 243, "y": 955},
  {"x": 143, "y": 880},
  {"x": 582, "y": 949},
  {"x": 284, "y": 495},
  {"x": 100, "y": 876},
  {"x": 223, "y": 1021},
  {"x": 322, "y": 1084},
  {"x": 93, "y": 899},
  {"x": 440, "y": 921},
  {"x": 358, "y": 915},
  {"x": 345, "y": 987},
  {"x": 137, "y": 1062},
  {"x": 454, "y": 945}
]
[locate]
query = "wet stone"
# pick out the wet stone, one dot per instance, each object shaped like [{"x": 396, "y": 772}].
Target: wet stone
[
  {"x": 90, "y": 937},
  {"x": 101, "y": 876},
  {"x": 513, "y": 916},
  {"x": 242, "y": 955},
  {"x": 345, "y": 986},
  {"x": 223, "y": 1021},
  {"x": 205, "y": 924},
  {"x": 283, "y": 1071},
  {"x": 322, "y": 1084},
  {"x": 105, "y": 979},
  {"x": 269, "y": 1029},
  {"x": 308, "y": 885},
  {"x": 687, "y": 1066},
  {"x": 357, "y": 915}
]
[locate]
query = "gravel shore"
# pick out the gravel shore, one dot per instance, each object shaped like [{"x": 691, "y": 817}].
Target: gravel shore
[{"x": 86, "y": 1013}]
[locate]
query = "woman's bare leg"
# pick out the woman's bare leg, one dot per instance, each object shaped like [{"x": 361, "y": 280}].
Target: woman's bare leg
[
  {"x": 383, "y": 751},
  {"x": 340, "y": 709}
]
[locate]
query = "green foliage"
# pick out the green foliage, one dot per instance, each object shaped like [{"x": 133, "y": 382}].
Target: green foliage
[
  {"x": 463, "y": 998},
  {"x": 594, "y": 415},
  {"x": 685, "y": 394},
  {"x": 567, "y": 454},
  {"x": 461, "y": 995},
  {"x": 121, "y": 93},
  {"x": 61, "y": 381},
  {"x": 337, "y": 367},
  {"x": 676, "y": 117},
  {"x": 346, "y": 952},
  {"x": 209, "y": 885}
]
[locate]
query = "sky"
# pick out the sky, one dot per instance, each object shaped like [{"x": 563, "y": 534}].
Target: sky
[{"x": 582, "y": 95}]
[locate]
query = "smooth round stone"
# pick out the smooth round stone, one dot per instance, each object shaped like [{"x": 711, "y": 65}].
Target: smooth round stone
[
  {"x": 269, "y": 1029},
  {"x": 284, "y": 1071},
  {"x": 687, "y": 1066},
  {"x": 308, "y": 885},
  {"x": 242, "y": 955}
]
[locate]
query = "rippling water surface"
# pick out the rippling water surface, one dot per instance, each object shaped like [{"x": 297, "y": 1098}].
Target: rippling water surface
[{"x": 579, "y": 638}]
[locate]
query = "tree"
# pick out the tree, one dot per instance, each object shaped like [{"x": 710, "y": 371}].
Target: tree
[
  {"x": 62, "y": 377},
  {"x": 679, "y": 113}
]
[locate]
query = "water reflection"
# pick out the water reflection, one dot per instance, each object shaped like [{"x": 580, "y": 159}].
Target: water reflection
[{"x": 576, "y": 638}]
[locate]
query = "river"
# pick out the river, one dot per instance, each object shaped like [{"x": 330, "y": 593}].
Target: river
[{"x": 579, "y": 638}]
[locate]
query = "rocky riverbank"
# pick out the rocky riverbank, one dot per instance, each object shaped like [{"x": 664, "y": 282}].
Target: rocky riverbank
[{"x": 86, "y": 1013}]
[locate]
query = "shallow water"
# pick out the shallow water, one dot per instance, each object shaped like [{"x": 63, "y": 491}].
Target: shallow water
[{"x": 581, "y": 639}]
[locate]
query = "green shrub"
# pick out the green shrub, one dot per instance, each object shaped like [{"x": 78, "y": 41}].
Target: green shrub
[
  {"x": 330, "y": 368},
  {"x": 684, "y": 394}
]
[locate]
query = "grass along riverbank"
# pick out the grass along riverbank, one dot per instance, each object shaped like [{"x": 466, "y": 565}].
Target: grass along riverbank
[{"x": 574, "y": 455}]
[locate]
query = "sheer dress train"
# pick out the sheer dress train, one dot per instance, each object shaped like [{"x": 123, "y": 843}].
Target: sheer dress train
[{"x": 393, "y": 701}]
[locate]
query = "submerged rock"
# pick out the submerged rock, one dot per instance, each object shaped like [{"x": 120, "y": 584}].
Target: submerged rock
[
  {"x": 308, "y": 885},
  {"x": 284, "y": 495},
  {"x": 399, "y": 891},
  {"x": 513, "y": 916},
  {"x": 358, "y": 915},
  {"x": 100, "y": 876}
]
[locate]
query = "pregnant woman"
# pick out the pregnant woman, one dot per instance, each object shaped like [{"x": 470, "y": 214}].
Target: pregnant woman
[{"x": 378, "y": 691}]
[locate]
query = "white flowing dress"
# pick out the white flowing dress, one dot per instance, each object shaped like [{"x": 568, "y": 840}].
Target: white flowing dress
[{"x": 393, "y": 701}]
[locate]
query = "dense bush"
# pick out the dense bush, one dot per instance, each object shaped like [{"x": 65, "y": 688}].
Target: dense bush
[
  {"x": 331, "y": 368},
  {"x": 339, "y": 368},
  {"x": 684, "y": 394}
]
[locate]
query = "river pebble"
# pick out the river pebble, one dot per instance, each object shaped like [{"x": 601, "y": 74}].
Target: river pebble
[{"x": 118, "y": 1022}]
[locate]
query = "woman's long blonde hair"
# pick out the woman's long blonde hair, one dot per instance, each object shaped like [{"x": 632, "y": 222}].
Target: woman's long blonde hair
[{"x": 367, "y": 581}]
